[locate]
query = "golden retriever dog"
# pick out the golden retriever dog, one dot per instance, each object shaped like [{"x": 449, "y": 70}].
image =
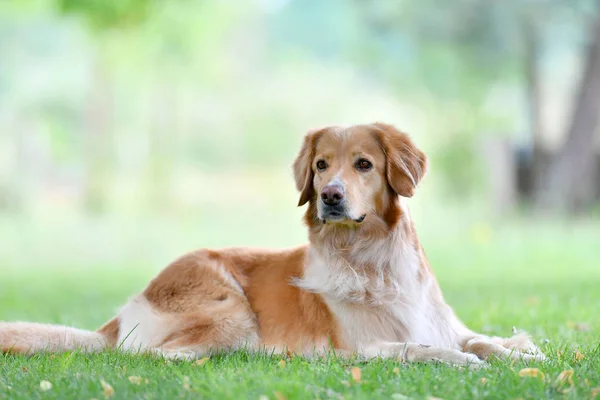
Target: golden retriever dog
[{"x": 362, "y": 286}]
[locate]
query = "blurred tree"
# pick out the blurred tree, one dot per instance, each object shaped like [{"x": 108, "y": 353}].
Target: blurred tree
[
  {"x": 103, "y": 17},
  {"x": 571, "y": 181},
  {"x": 105, "y": 14},
  {"x": 483, "y": 41}
]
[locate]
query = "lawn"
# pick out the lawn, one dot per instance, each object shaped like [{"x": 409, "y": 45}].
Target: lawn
[{"x": 542, "y": 277}]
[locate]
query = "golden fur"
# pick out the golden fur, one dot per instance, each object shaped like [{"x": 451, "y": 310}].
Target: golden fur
[{"x": 362, "y": 286}]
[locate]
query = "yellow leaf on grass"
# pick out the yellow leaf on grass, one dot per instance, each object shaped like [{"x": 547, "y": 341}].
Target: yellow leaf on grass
[
  {"x": 483, "y": 380},
  {"x": 579, "y": 355},
  {"x": 595, "y": 392},
  {"x": 565, "y": 377},
  {"x": 396, "y": 371},
  {"x": 279, "y": 396},
  {"x": 531, "y": 373},
  {"x": 282, "y": 363},
  {"x": 202, "y": 361},
  {"x": 532, "y": 301},
  {"x": 481, "y": 233},
  {"x": 578, "y": 326},
  {"x": 108, "y": 390},
  {"x": 356, "y": 374},
  {"x": 136, "y": 380},
  {"x": 45, "y": 386}
]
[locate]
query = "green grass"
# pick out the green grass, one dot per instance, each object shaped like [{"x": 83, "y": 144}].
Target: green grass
[{"x": 542, "y": 277}]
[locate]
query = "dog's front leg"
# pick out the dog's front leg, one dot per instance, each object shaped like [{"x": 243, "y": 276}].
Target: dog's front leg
[{"x": 413, "y": 352}]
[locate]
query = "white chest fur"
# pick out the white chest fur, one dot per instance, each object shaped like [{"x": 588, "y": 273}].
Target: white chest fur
[{"x": 391, "y": 301}]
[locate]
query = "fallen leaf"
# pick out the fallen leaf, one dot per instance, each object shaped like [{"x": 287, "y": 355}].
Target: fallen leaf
[
  {"x": 532, "y": 301},
  {"x": 24, "y": 369},
  {"x": 108, "y": 390},
  {"x": 186, "y": 382},
  {"x": 565, "y": 377},
  {"x": 136, "y": 380},
  {"x": 531, "y": 373},
  {"x": 578, "y": 326},
  {"x": 481, "y": 233},
  {"x": 483, "y": 380},
  {"x": 282, "y": 363},
  {"x": 595, "y": 392},
  {"x": 579, "y": 355},
  {"x": 396, "y": 371},
  {"x": 279, "y": 396},
  {"x": 45, "y": 386},
  {"x": 202, "y": 361},
  {"x": 356, "y": 374}
]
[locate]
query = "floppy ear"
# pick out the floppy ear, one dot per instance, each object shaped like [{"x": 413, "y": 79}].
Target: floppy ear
[
  {"x": 405, "y": 163},
  {"x": 303, "y": 173}
]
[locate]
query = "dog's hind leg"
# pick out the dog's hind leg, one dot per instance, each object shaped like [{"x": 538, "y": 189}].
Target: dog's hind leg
[
  {"x": 226, "y": 329},
  {"x": 192, "y": 308}
]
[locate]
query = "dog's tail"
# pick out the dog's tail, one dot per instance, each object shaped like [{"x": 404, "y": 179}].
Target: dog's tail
[{"x": 30, "y": 338}]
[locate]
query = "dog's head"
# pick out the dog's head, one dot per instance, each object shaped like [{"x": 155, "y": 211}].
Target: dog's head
[{"x": 354, "y": 175}]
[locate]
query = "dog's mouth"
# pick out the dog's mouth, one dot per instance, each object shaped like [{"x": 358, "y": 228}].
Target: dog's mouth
[
  {"x": 360, "y": 219},
  {"x": 339, "y": 217}
]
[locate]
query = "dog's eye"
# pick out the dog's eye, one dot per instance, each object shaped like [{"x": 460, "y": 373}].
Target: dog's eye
[
  {"x": 363, "y": 165},
  {"x": 321, "y": 165}
]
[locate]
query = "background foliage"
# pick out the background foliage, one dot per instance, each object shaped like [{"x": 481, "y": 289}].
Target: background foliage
[{"x": 132, "y": 131}]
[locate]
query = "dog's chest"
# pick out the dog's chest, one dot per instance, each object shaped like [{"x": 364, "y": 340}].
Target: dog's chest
[
  {"x": 389, "y": 305},
  {"x": 362, "y": 325}
]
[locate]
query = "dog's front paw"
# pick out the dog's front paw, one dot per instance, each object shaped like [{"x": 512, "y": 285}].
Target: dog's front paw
[{"x": 522, "y": 343}]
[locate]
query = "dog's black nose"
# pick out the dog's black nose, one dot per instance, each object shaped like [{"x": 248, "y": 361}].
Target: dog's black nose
[{"x": 332, "y": 195}]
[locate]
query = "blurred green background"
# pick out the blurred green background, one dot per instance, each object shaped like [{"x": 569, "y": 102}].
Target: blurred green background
[{"x": 132, "y": 131}]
